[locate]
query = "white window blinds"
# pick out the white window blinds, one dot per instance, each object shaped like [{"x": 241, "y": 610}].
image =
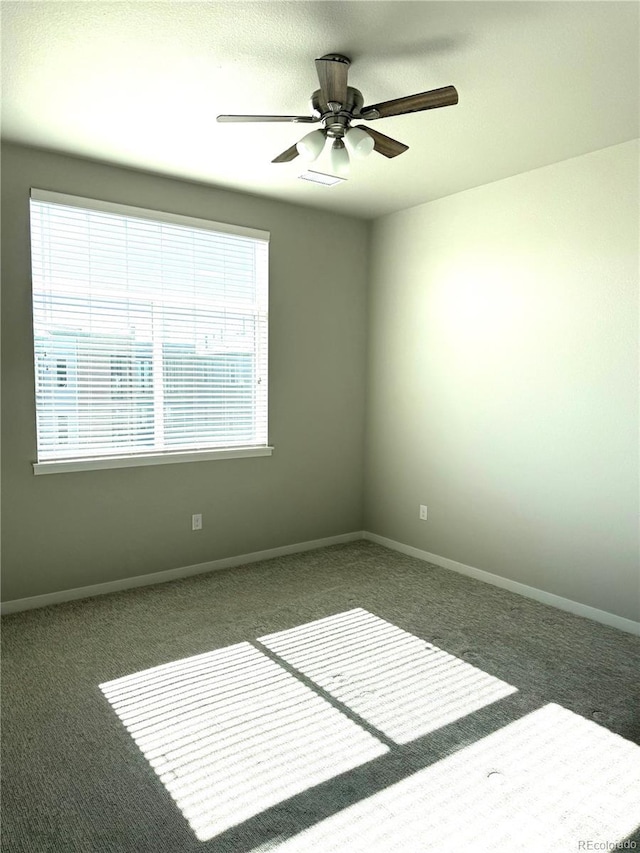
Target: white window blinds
[{"x": 150, "y": 331}]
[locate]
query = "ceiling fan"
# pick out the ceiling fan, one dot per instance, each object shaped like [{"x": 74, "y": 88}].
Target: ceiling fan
[{"x": 336, "y": 104}]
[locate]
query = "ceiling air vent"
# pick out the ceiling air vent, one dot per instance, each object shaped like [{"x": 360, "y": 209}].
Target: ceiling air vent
[{"x": 321, "y": 178}]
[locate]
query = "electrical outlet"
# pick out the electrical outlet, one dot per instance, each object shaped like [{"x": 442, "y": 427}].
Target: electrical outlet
[
  {"x": 196, "y": 521},
  {"x": 423, "y": 512}
]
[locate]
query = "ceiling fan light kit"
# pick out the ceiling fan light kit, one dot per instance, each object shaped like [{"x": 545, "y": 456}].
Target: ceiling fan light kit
[
  {"x": 336, "y": 105},
  {"x": 359, "y": 143},
  {"x": 310, "y": 146},
  {"x": 339, "y": 158}
]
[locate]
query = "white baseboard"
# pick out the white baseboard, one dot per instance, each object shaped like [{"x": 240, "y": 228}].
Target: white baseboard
[
  {"x": 603, "y": 616},
  {"x": 575, "y": 607},
  {"x": 45, "y": 600}
]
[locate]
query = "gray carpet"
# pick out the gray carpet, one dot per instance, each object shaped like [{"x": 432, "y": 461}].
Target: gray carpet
[{"x": 420, "y": 711}]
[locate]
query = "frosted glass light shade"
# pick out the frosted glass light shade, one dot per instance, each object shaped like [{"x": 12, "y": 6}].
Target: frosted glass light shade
[
  {"x": 339, "y": 158},
  {"x": 359, "y": 143},
  {"x": 311, "y": 145}
]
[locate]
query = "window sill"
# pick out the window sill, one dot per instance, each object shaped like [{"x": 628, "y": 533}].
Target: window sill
[{"x": 61, "y": 466}]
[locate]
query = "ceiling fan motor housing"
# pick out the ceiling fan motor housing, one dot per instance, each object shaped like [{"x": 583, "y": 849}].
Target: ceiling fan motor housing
[{"x": 337, "y": 123}]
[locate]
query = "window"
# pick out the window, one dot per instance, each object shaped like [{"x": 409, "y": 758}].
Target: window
[{"x": 150, "y": 335}]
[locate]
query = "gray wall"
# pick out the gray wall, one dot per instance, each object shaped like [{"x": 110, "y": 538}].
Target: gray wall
[
  {"x": 62, "y": 531},
  {"x": 503, "y": 379},
  {"x": 502, "y": 389}
]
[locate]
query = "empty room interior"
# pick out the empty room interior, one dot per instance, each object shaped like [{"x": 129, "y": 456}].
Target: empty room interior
[{"x": 320, "y": 426}]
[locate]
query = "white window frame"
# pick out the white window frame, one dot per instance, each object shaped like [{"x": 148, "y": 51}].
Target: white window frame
[{"x": 136, "y": 458}]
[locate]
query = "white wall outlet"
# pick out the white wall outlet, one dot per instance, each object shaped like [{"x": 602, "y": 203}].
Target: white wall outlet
[
  {"x": 196, "y": 521},
  {"x": 423, "y": 512}
]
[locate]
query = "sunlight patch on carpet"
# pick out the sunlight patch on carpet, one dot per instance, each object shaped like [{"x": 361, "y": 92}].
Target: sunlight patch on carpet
[
  {"x": 545, "y": 782},
  {"x": 230, "y": 733},
  {"x": 236, "y": 731},
  {"x": 403, "y": 686}
]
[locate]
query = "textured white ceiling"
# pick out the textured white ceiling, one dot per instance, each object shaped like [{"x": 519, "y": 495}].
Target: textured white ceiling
[{"x": 140, "y": 84}]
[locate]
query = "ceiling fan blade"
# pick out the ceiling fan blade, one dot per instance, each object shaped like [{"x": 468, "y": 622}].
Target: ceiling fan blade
[
  {"x": 444, "y": 97},
  {"x": 332, "y": 72},
  {"x": 297, "y": 119},
  {"x": 286, "y": 156},
  {"x": 384, "y": 145}
]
